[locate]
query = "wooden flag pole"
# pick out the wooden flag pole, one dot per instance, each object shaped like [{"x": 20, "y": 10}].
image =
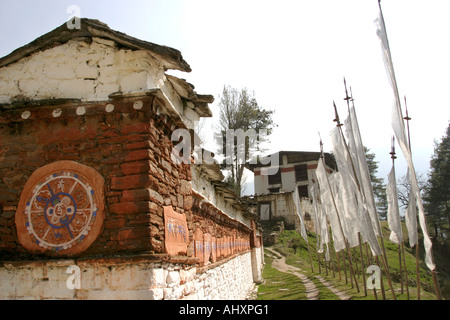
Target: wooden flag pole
[
  {"x": 318, "y": 256},
  {"x": 339, "y": 220},
  {"x": 339, "y": 265},
  {"x": 400, "y": 244},
  {"x": 406, "y": 269},
  {"x": 332, "y": 264},
  {"x": 407, "y": 118},
  {"x": 433, "y": 272},
  {"x": 362, "y": 265},
  {"x": 384, "y": 258}
]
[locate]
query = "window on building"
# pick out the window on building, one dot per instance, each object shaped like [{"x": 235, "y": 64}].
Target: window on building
[
  {"x": 275, "y": 178},
  {"x": 301, "y": 172},
  {"x": 264, "y": 211},
  {"x": 303, "y": 191},
  {"x": 274, "y": 190}
]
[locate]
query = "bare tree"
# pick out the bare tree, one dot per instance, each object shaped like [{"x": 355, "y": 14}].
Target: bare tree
[{"x": 240, "y": 113}]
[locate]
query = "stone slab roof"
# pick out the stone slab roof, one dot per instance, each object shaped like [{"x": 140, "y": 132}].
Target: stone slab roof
[{"x": 171, "y": 58}]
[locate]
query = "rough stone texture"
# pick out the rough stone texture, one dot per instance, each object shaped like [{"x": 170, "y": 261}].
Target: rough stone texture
[
  {"x": 60, "y": 102},
  {"x": 118, "y": 280},
  {"x": 129, "y": 148},
  {"x": 80, "y": 70}
]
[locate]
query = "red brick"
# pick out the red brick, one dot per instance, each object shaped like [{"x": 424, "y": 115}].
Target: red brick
[
  {"x": 138, "y": 181},
  {"x": 135, "y": 128},
  {"x": 124, "y": 235},
  {"x": 185, "y": 187},
  {"x": 138, "y": 145},
  {"x": 115, "y": 223},
  {"x": 188, "y": 201},
  {"x": 134, "y": 233},
  {"x": 141, "y": 195},
  {"x": 131, "y": 168},
  {"x": 130, "y": 207},
  {"x": 140, "y": 154}
]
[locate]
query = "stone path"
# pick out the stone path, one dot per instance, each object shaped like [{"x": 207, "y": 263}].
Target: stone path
[{"x": 312, "y": 293}]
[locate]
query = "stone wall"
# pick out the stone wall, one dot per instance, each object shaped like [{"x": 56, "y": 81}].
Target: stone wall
[
  {"x": 130, "y": 148},
  {"x": 93, "y": 108},
  {"x": 136, "y": 278},
  {"x": 89, "y": 70}
]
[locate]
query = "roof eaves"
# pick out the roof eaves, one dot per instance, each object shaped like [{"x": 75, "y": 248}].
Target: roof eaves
[{"x": 172, "y": 58}]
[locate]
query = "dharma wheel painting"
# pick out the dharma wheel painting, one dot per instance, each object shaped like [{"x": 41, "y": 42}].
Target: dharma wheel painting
[{"x": 61, "y": 209}]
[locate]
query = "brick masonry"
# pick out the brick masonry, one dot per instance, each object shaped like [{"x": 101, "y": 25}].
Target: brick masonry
[
  {"x": 131, "y": 149},
  {"x": 113, "y": 110}
]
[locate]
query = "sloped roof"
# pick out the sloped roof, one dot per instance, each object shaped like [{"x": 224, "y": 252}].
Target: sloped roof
[
  {"x": 171, "y": 58},
  {"x": 296, "y": 157}
]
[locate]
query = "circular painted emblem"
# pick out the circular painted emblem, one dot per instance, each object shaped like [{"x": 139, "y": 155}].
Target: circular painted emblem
[{"x": 61, "y": 209}]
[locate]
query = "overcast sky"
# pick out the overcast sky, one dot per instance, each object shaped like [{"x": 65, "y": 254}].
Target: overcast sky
[{"x": 292, "y": 54}]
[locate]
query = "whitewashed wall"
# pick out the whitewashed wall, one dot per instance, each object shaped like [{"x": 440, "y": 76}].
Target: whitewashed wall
[
  {"x": 119, "y": 280},
  {"x": 89, "y": 72}
]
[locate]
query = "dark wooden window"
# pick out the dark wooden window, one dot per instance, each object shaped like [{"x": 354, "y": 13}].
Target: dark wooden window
[
  {"x": 301, "y": 172},
  {"x": 275, "y": 178},
  {"x": 303, "y": 191}
]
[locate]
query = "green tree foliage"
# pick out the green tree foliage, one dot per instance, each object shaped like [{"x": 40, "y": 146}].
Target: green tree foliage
[
  {"x": 437, "y": 193},
  {"x": 379, "y": 188},
  {"x": 239, "y": 110}
]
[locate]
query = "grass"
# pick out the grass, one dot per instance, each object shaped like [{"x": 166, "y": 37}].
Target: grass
[
  {"x": 280, "y": 285},
  {"x": 302, "y": 258}
]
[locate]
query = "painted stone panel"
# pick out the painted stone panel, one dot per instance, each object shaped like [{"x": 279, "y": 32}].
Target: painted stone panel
[
  {"x": 176, "y": 232},
  {"x": 207, "y": 247},
  {"x": 198, "y": 244},
  {"x": 213, "y": 249},
  {"x": 61, "y": 209}
]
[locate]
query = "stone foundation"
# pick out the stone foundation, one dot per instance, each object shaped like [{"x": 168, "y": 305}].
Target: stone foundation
[{"x": 128, "y": 278}]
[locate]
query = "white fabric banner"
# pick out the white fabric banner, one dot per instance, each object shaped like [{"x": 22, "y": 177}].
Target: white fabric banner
[
  {"x": 296, "y": 200},
  {"x": 328, "y": 203},
  {"x": 345, "y": 204},
  {"x": 322, "y": 223},
  {"x": 411, "y": 217},
  {"x": 400, "y": 133},
  {"x": 393, "y": 214},
  {"x": 311, "y": 208},
  {"x": 356, "y": 216},
  {"x": 363, "y": 173}
]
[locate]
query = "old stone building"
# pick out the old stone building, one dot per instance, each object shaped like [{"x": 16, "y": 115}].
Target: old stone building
[
  {"x": 93, "y": 202},
  {"x": 274, "y": 190}
]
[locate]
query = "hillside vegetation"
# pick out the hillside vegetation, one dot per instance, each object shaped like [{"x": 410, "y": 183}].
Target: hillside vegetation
[{"x": 284, "y": 286}]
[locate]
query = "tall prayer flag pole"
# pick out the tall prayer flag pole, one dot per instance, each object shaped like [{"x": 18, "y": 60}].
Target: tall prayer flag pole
[{"x": 399, "y": 131}]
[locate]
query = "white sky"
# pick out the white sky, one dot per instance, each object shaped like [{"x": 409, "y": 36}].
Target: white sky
[{"x": 293, "y": 54}]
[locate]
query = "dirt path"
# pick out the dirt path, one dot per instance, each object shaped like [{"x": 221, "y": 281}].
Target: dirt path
[{"x": 312, "y": 293}]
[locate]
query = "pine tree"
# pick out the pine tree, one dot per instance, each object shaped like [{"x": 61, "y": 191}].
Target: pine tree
[
  {"x": 437, "y": 194},
  {"x": 379, "y": 188}
]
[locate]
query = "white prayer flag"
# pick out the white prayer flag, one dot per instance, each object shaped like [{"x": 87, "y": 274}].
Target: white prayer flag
[
  {"x": 345, "y": 204},
  {"x": 400, "y": 133},
  {"x": 296, "y": 200},
  {"x": 328, "y": 202},
  {"x": 363, "y": 173},
  {"x": 356, "y": 217},
  {"x": 322, "y": 223},
  {"x": 411, "y": 217},
  {"x": 315, "y": 214},
  {"x": 393, "y": 214}
]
